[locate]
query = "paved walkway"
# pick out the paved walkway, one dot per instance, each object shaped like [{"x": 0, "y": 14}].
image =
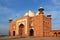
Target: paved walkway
[{"x": 31, "y": 38}]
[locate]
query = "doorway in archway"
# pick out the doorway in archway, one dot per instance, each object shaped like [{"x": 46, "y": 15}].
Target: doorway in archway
[
  {"x": 31, "y": 32},
  {"x": 21, "y": 29},
  {"x": 13, "y": 33}
]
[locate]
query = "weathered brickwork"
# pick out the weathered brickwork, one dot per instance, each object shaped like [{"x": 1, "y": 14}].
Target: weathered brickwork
[{"x": 33, "y": 25}]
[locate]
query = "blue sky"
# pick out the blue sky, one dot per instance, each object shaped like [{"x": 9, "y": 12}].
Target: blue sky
[{"x": 13, "y": 8}]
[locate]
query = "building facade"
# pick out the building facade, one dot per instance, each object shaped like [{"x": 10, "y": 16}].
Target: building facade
[{"x": 31, "y": 24}]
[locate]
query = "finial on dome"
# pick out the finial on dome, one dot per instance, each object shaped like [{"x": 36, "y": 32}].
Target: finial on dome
[
  {"x": 49, "y": 14},
  {"x": 41, "y": 7},
  {"x": 29, "y": 13}
]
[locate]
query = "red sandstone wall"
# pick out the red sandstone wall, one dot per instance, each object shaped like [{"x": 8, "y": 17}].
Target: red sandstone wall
[
  {"x": 38, "y": 25},
  {"x": 28, "y": 20},
  {"x": 11, "y": 28},
  {"x": 46, "y": 25}
]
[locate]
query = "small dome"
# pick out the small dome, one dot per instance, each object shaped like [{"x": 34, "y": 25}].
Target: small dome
[
  {"x": 29, "y": 13},
  {"x": 49, "y": 14},
  {"x": 41, "y": 7},
  {"x": 37, "y": 13},
  {"x": 26, "y": 14},
  {"x": 10, "y": 18}
]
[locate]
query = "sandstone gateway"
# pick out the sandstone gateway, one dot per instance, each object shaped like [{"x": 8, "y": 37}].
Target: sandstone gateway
[{"x": 33, "y": 24}]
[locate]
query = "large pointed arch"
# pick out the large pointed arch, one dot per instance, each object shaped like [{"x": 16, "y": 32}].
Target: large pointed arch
[{"x": 21, "y": 29}]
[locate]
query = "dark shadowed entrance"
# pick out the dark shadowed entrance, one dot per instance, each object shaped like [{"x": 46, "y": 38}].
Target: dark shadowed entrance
[
  {"x": 21, "y": 29},
  {"x": 31, "y": 32},
  {"x": 13, "y": 33}
]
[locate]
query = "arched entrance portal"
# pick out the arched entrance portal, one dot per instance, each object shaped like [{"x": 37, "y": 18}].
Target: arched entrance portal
[
  {"x": 21, "y": 29},
  {"x": 31, "y": 32}
]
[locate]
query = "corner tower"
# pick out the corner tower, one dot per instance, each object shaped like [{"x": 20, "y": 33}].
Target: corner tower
[
  {"x": 38, "y": 23},
  {"x": 41, "y": 10}
]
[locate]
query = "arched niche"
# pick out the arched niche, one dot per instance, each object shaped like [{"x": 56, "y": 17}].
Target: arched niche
[{"x": 31, "y": 32}]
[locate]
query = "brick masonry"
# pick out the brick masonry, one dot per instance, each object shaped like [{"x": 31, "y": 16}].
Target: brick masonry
[{"x": 38, "y": 26}]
